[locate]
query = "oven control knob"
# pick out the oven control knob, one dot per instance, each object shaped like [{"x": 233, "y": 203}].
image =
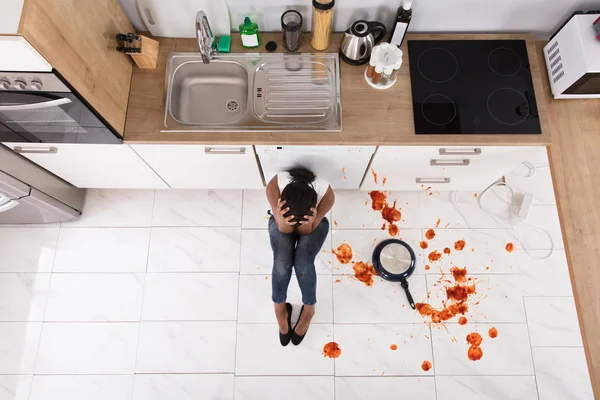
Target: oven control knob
[
  {"x": 4, "y": 84},
  {"x": 35, "y": 85},
  {"x": 20, "y": 85}
]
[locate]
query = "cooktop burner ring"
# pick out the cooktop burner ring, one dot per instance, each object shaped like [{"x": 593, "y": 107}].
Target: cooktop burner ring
[
  {"x": 439, "y": 62},
  {"x": 497, "y": 60},
  {"x": 450, "y": 112},
  {"x": 521, "y": 111}
]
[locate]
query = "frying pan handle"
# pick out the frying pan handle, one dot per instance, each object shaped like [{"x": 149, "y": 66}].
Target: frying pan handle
[{"x": 404, "y": 284}]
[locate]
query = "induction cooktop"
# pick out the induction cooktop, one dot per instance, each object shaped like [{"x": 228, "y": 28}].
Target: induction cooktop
[{"x": 472, "y": 87}]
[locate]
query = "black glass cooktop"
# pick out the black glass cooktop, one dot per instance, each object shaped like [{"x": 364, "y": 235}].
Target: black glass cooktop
[{"x": 472, "y": 87}]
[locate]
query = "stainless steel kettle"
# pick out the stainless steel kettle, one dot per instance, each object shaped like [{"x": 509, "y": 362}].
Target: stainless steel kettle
[{"x": 359, "y": 39}]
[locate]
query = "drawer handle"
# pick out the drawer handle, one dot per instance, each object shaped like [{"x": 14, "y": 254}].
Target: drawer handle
[
  {"x": 35, "y": 150},
  {"x": 460, "y": 152},
  {"x": 450, "y": 163},
  {"x": 213, "y": 150},
  {"x": 432, "y": 180}
]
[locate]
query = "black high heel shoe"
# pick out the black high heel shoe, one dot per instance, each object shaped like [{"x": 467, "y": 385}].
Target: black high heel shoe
[
  {"x": 285, "y": 339},
  {"x": 297, "y": 339}
]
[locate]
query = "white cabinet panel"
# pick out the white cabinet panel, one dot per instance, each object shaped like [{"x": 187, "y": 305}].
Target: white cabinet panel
[
  {"x": 107, "y": 166},
  {"x": 16, "y": 54},
  {"x": 203, "y": 167},
  {"x": 444, "y": 168},
  {"x": 10, "y": 16}
]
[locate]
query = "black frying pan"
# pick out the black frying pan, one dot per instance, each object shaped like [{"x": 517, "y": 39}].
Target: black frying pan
[{"x": 395, "y": 261}]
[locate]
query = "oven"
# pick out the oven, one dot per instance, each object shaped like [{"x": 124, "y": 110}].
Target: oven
[{"x": 41, "y": 107}]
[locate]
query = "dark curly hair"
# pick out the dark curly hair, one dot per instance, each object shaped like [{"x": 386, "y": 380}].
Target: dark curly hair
[{"x": 300, "y": 195}]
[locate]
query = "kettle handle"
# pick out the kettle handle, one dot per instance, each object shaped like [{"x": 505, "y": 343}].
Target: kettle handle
[{"x": 375, "y": 26}]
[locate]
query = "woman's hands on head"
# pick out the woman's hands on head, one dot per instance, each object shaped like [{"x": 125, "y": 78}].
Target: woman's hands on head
[{"x": 285, "y": 224}]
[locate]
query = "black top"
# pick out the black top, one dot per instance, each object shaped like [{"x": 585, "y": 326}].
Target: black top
[{"x": 472, "y": 87}]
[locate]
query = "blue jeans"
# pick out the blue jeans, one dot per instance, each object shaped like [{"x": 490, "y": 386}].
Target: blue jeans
[{"x": 300, "y": 252}]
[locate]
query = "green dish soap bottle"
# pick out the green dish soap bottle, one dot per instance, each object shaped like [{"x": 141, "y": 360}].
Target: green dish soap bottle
[{"x": 249, "y": 34}]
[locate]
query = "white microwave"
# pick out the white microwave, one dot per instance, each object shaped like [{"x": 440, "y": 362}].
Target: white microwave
[{"x": 573, "y": 59}]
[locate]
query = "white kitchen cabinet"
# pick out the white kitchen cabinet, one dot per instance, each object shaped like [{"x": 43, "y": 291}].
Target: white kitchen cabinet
[
  {"x": 16, "y": 54},
  {"x": 444, "y": 167},
  {"x": 203, "y": 167},
  {"x": 343, "y": 167},
  {"x": 107, "y": 166},
  {"x": 10, "y": 16}
]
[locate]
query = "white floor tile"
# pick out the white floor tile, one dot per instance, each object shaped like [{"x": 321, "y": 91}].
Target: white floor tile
[
  {"x": 539, "y": 184},
  {"x": 116, "y": 207},
  {"x": 87, "y": 348},
  {"x": 183, "y": 387},
  {"x": 498, "y": 298},
  {"x": 260, "y": 353},
  {"x": 484, "y": 251},
  {"x": 95, "y": 297},
  {"x": 486, "y": 387},
  {"x": 288, "y": 387},
  {"x": 27, "y": 249},
  {"x": 353, "y": 210},
  {"x": 23, "y": 296},
  {"x": 15, "y": 387},
  {"x": 102, "y": 250},
  {"x": 448, "y": 207},
  {"x": 540, "y": 157},
  {"x": 364, "y": 241},
  {"x": 191, "y": 297},
  {"x": 384, "y": 388},
  {"x": 89, "y": 387},
  {"x": 256, "y": 206},
  {"x": 541, "y": 222},
  {"x": 553, "y": 321},
  {"x": 257, "y": 255},
  {"x": 194, "y": 250},
  {"x": 18, "y": 346},
  {"x": 508, "y": 354},
  {"x": 186, "y": 347},
  {"x": 197, "y": 208},
  {"x": 383, "y": 303},
  {"x": 256, "y": 306},
  {"x": 562, "y": 373},
  {"x": 547, "y": 277},
  {"x": 366, "y": 350}
]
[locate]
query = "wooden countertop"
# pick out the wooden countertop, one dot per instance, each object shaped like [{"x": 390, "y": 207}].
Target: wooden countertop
[
  {"x": 369, "y": 116},
  {"x": 575, "y": 166}
]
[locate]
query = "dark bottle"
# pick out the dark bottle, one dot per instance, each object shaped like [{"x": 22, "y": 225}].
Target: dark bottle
[{"x": 401, "y": 23}]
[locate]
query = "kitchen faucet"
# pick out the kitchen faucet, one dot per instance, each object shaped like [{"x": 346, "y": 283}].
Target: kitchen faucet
[{"x": 205, "y": 37}]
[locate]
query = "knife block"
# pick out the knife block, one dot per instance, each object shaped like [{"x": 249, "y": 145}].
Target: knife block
[{"x": 147, "y": 58}]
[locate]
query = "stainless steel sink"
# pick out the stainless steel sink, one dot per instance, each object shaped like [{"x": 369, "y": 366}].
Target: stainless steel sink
[{"x": 253, "y": 92}]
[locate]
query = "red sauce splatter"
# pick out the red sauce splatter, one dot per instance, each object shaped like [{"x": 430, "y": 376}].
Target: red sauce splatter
[
  {"x": 474, "y": 339},
  {"x": 378, "y": 200},
  {"x": 393, "y": 229},
  {"x": 437, "y": 224},
  {"x": 343, "y": 253},
  {"x": 510, "y": 247},
  {"x": 335, "y": 222},
  {"x": 463, "y": 320},
  {"x": 435, "y": 256},
  {"x": 391, "y": 214},
  {"x": 459, "y": 245},
  {"x": 460, "y": 293},
  {"x": 430, "y": 234},
  {"x": 374, "y": 175},
  {"x": 337, "y": 281},
  {"x": 423, "y": 245},
  {"x": 447, "y": 250},
  {"x": 475, "y": 195},
  {"x": 332, "y": 350},
  {"x": 426, "y": 366},
  {"x": 459, "y": 274},
  {"x": 446, "y": 313},
  {"x": 384, "y": 181},
  {"x": 475, "y": 353},
  {"x": 427, "y": 268},
  {"x": 384, "y": 226},
  {"x": 344, "y": 173},
  {"x": 493, "y": 333},
  {"x": 393, "y": 347},
  {"x": 364, "y": 272}
]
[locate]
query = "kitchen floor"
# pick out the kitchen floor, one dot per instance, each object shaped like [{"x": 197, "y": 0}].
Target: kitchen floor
[{"x": 166, "y": 295}]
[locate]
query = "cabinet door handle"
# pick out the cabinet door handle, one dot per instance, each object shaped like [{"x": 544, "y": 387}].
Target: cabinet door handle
[
  {"x": 35, "y": 150},
  {"x": 450, "y": 163},
  {"x": 432, "y": 180},
  {"x": 460, "y": 152},
  {"x": 216, "y": 150}
]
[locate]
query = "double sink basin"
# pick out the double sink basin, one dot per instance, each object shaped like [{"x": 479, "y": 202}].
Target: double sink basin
[{"x": 253, "y": 92}]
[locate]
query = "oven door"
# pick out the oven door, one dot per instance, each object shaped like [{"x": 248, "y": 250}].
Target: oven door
[{"x": 50, "y": 118}]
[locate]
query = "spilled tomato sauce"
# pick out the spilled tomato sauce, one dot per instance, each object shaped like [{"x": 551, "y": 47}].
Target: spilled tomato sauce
[
  {"x": 463, "y": 320},
  {"x": 446, "y": 313},
  {"x": 343, "y": 253},
  {"x": 393, "y": 347},
  {"x": 384, "y": 181},
  {"x": 459, "y": 274},
  {"x": 493, "y": 333},
  {"x": 378, "y": 200},
  {"x": 474, "y": 339},
  {"x": 447, "y": 250},
  {"x": 437, "y": 224},
  {"x": 393, "y": 230},
  {"x": 459, "y": 292},
  {"x": 475, "y": 353},
  {"x": 364, "y": 272},
  {"x": 332, "y": 350},
  {"x": 427, "y": 268},
  {"x": 344, "y": 173},
  {"x": 335, "y": 222},
  {"x": 510, "y": 247},
  {"x": 374, "y": 176},
  {"x": 435, "y": 256},
  {"x": 430, "y": 234},
  {"x": 423, "y": 245},
  {"x": 459, "y": 245},
  {"x": 391, "y": 214},
  {"x": 426, "y": 366}
]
